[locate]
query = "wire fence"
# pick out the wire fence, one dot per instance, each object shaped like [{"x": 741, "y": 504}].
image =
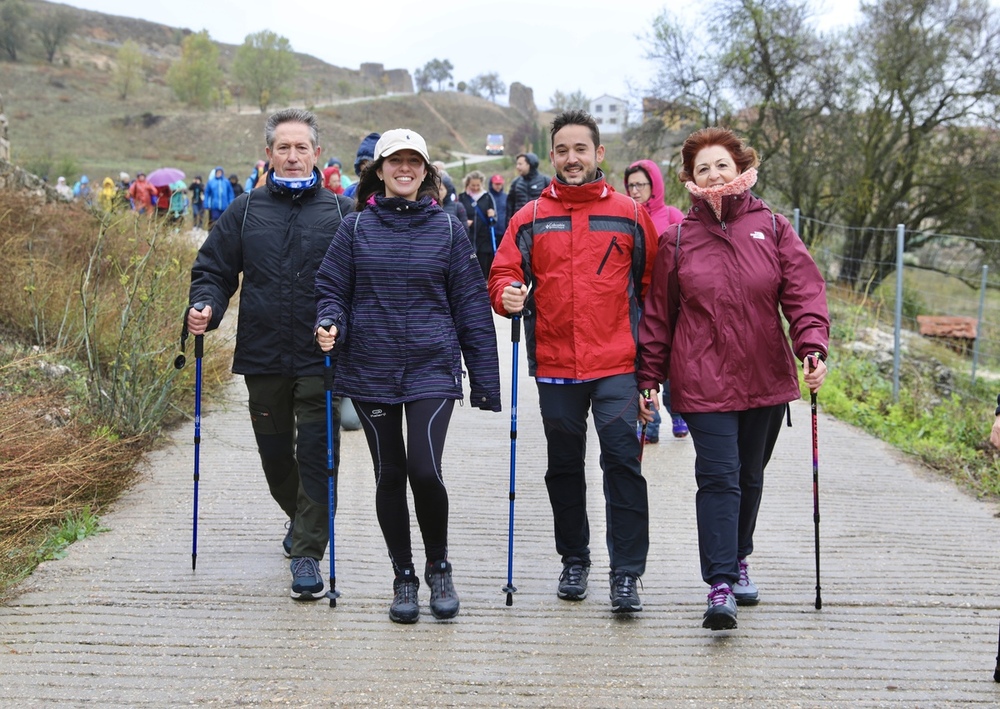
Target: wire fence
[{"x": 948, "y": 284}]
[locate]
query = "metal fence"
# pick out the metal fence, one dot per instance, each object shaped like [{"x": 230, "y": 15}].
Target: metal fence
[{"x": 904, "y": 274}]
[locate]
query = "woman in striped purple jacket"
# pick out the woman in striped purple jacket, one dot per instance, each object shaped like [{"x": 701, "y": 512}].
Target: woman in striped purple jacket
[{"x": 407, "y": 299}]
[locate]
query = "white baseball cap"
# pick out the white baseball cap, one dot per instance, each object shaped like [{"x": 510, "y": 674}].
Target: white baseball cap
[{"x": 397, "y": 139}]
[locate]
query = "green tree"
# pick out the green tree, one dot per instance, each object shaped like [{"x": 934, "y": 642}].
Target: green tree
[
  {"x": 488, "y": 85},
  {"x": 14, "y": 18},
  {"x": 436, "y": 70},
  {"x": 53, "y": 29},
  {"x": 196, "y": 76},
  {"x": 422, "y": 80},
  {"x": 567, "y": 102},
  {"x": 130, "y": 65},
  {"x": 264, "y": 65}
]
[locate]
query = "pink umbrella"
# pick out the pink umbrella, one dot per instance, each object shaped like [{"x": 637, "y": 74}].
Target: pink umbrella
[{"x": 165, "y": 176}]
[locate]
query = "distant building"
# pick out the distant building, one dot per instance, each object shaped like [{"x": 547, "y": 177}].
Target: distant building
[{"x": 610, "y": 113}]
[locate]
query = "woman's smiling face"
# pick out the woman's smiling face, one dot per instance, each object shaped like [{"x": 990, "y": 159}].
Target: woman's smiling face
[{"x": 403, "y": 172}]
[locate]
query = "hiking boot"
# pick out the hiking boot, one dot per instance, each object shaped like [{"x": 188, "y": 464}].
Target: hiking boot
[
  {"x": 405, "y": 606},
  {"x": 286, "y": 543},
  {"x": 721, "y": 612},
  {"x": 307, "y": 581},
  {"x": 745, "y": 590},
  {"x": 680, "y": 428},
  {"x": 444, "y": 600},
  {"x": 573, "y": 580},
  {"x": 624, "y": 594}
]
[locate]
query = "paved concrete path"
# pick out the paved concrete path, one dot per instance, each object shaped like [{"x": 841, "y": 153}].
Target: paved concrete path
[{"x": 910, "y": 595}]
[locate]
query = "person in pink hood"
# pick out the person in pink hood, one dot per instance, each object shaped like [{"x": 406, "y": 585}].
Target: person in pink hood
[{"x": 644, "y": 184}]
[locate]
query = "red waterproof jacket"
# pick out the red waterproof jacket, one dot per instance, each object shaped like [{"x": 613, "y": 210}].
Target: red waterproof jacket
[
  {"x": 725, "y": 348},
  {"x": 587, "y": 254}
]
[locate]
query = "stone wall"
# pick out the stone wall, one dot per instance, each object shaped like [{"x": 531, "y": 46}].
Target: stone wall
[{"x": 395, "y": 81}]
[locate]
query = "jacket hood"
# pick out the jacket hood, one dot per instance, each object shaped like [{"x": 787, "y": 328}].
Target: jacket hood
[
  {"x": 366, "y": 151},
  {"x": 532, "y": 160},
  {"x": 108, "y": 182},
  {"x": 217, "y": 169},
  {"x": 658, "y": 211}
]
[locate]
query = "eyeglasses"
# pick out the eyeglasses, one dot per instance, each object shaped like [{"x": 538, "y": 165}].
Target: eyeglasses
[{"x": 637, "y": 186}]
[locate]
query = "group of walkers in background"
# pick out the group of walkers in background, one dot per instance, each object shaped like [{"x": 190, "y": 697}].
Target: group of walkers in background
[{"x": 619, "y": 294}]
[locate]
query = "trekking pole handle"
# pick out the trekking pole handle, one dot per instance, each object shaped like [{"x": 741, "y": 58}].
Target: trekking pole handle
[
  {"x": 515, "y": 318},
  {"x": 199, "y": 340}
]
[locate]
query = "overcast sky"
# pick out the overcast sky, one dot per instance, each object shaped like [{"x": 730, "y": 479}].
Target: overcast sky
[{"x": 569, "y": 45}]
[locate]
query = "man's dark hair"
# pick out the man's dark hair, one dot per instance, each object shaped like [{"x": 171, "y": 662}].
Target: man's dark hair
[{"x": 575, "y": 117}]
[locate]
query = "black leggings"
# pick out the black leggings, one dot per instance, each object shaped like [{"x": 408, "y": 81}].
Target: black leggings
[{"x": 419, "y": 461}]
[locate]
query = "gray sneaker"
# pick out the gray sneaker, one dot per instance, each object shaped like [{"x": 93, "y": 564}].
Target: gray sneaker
[
  {"x": 286, "y": 543},
  {"x": 573, "y": 580},
  {"x": 444, "y": 600},
  {"x": 405, "y": 606},
  {"x": 307, "y": 581},
  {"x": 721, "y": 612},
  {"x": 745, "y": 590},
  {"x": 624, "y": 594}
]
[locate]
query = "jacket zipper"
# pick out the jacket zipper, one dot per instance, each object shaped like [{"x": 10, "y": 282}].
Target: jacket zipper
[{"x": 607, "y": 255}]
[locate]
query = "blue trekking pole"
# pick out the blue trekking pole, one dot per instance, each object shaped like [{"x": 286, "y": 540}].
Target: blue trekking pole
[
  {"x": 515, "y": 338},
  {"x": 333, "y": 594},
  {"x": 179, "y": 362}
]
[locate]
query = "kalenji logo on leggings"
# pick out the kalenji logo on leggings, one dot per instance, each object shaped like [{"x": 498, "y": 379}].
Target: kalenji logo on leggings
[{"x": 378, "y": 413}]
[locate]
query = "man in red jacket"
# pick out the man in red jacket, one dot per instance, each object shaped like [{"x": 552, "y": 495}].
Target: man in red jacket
[{"x": 587, "y": 254}]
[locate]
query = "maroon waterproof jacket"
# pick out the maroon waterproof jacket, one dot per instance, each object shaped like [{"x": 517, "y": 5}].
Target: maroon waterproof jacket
[{"x": 727, "y": 350}]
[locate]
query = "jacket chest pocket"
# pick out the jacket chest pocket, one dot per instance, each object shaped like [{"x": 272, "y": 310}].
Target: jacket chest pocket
[{"x": 613, "y": 247}]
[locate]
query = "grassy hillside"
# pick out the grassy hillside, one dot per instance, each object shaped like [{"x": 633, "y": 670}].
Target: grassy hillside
[{"x": 66, "y": 117}]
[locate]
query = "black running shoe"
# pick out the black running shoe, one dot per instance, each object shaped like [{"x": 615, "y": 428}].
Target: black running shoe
[
  {"x": 405, "y": 606},
  {"x": 624, "y": 594},
  {"x": 721, "y": 611},
  {"x": 444, "y": 600},
  {"x": 573, "y": 580}
]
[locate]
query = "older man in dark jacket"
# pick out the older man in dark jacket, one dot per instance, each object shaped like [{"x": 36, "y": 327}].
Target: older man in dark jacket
[{"x": 276, "y": 238}]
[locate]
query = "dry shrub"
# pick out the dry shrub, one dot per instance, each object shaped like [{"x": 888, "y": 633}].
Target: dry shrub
[
  {"x": 104, "y": 293},
  {"x": 49, "y": 470},
  {"x": 107, "y": 289}
]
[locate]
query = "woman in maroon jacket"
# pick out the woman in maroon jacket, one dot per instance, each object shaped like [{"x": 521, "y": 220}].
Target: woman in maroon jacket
[{"x": 712, "y": 326}]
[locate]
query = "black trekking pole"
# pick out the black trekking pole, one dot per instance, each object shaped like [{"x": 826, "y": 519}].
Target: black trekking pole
[
  {"x": 815, "y": 442},
  {"x": 515, "y": 338},
  {"x": 647, "y": 400},
  {"x": 179, "y": 362},
  {"x": 333, "y": 594}
]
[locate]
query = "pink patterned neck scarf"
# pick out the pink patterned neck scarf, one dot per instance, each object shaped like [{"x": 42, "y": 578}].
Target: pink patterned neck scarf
[{"x": 714, "y": 195}]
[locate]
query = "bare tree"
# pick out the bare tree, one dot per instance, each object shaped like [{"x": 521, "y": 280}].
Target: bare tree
[
  {"x": 54, "y": 28},
  {"x": 14, "y": 18},
  {"x": 871, "y": 127}
]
